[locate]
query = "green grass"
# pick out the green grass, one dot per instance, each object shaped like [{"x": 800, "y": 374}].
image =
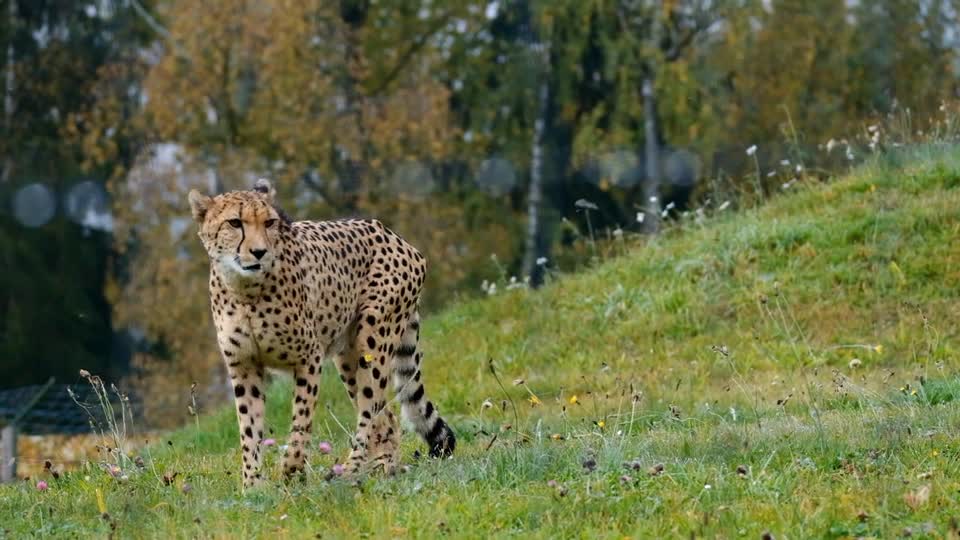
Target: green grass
[{"x": 791, "y": 369}]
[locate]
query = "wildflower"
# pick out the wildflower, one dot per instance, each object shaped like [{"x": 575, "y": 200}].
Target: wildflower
[
  {"x": 878, "y": 349},
  {"x": 268, "y": 442},
  {"x": 656, "y": 470},
  {"x": 707, "y": 487},
  {"x": 114, "y": 471},
  {"x": 601, "y": 424},
  {"x": 573, "y": 399},
  {"x": 935, "y": 453},
  {"x": 338, "y": 469},
  {"x": 752, "y": 150},
  {"x": 368, "y": 357},
  {"x": 534, "y": 401},
  {"x": 42, "y": 486},
  {"x": 552, "y": 483},
  {"x": 913, "y": 392},
  {"x": 324, "y": 447},
  {"x": 585, "y": 205},
  {"x": 487, "y": 404},
  {"x": 799, "y": 168},
  {"x": 556, "y": 437},
  {"x": 625, "y": 479},
  {"x": 855, "y": 363}
]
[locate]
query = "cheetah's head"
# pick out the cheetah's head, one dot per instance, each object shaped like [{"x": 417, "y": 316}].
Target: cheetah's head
[{"x": 240, "y": 229}]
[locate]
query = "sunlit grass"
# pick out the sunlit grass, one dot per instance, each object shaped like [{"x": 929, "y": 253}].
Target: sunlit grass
[{"x": 790, "y": 369}]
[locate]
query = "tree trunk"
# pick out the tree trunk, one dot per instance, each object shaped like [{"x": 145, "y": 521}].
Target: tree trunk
[
  {"x": 651, "y": 187},
  {"x": 535, "y": 194},
  {"x": 8, "y": 89}
]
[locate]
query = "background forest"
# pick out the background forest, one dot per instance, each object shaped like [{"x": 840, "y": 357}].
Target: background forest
[{"x": 480, "y": 130}]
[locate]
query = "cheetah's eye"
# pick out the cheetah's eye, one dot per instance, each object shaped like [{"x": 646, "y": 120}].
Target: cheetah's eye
[
  {"x": 269, "y": 223},
  {"x": 235, "y": 223}
]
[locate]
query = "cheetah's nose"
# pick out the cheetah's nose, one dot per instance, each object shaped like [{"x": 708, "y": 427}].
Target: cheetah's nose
[{"x": 258, "y": 253}]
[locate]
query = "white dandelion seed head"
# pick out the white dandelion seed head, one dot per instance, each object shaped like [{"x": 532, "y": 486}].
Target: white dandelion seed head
[{"x": 752, "y": 150}]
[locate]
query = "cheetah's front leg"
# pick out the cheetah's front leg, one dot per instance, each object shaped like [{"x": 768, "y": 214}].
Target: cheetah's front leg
[
  {"x": 304, "y": 400},
  {"x": 251, "y": 402}
]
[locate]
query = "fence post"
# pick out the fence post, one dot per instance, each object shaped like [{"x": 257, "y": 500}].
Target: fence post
[
  {"x": 8, "y": 437},
  {"x": 8, "y": 453}
]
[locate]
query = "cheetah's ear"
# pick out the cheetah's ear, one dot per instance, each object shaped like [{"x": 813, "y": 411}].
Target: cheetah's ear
[
  {"x": 264, "y": 186},
  {"x": 199, "y": 203}
]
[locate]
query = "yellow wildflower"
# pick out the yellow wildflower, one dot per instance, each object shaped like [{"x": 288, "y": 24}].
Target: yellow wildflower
[
  {"x": 556, "y": 437},
  {"x": 368, "y": 357},
  {"x": 573, "y": 399},
  {"x": 601, "y": 424},
  {"x": 534, "y": 400},
  {"x": 878, "y": 349}
]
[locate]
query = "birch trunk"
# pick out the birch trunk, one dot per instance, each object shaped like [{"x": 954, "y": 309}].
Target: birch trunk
[
  {"x": 651, "y": 187},
  {"x": 535, "y": 194}
]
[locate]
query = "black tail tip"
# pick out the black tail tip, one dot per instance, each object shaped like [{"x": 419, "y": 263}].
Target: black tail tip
[{"x": 443, "y": 444}]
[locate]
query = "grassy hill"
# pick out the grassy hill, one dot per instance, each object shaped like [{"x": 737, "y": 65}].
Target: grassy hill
[{"x": 787, "y": 370}]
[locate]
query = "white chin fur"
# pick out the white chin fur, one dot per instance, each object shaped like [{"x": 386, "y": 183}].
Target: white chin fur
[{"x": 231, "y": 266}]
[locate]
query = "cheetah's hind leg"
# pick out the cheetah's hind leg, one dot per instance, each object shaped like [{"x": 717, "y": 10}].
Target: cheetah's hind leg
[{"x": 377, "y": 441}]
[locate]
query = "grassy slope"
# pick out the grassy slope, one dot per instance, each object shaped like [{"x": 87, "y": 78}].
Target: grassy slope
[{"x": 865, "y": 268}]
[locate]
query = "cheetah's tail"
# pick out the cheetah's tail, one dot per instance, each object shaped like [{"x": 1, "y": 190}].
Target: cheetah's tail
[{"x": 415, "y": 406}]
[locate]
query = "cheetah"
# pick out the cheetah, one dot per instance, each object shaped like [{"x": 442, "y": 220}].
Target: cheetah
[{"x": 289, "y": 294}]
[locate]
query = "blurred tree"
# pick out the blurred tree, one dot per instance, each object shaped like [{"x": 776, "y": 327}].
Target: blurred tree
[{"x": 54, "y": 318}]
